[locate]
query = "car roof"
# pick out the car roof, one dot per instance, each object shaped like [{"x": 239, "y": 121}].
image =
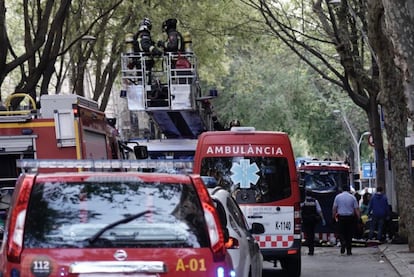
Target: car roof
[{"x": 145, "y": 176}]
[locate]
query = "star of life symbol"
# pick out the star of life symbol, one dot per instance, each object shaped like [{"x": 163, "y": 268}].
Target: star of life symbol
[{"x": 244, "y": 173}]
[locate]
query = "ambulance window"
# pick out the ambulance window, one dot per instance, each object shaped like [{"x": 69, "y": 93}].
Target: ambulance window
[{"x": 267, "y": 178}]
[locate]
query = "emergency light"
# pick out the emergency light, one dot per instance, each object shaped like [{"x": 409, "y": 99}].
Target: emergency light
[
  {"x": 103, "y": 164},
  {"x": 243, "y": 129},
  {"x": 318, "y": 163}
]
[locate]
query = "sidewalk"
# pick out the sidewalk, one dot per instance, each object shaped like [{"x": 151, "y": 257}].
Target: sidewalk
[{"x": 399, "y": 257}]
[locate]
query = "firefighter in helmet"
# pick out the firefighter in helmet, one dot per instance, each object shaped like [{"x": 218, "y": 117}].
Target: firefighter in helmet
[
  {"x": 234, "y": 123},
  {"x": 143, "y": 43},
  {"x": 219, "y": 127},
  {"x": 175, "y": 41}
]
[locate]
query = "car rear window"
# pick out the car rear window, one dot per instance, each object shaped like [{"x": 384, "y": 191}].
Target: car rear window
[
  {"x": 114, "y": 214},
  {"x": 322, "y": 180}
]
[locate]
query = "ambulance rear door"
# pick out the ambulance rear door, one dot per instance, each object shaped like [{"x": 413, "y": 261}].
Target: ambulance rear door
[{"x": 258, "y": 168}]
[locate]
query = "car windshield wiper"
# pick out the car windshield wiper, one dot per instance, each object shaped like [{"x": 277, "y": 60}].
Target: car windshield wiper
[{"x": 93, "y": 238}]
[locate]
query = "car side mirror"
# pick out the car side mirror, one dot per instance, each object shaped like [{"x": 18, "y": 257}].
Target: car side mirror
[{"x": 141, "y": 152}]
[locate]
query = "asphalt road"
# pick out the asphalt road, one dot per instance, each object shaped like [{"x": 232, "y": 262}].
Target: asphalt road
[{"x": 327, "y": 261}]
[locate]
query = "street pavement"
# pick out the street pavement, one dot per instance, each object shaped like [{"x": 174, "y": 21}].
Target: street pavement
[{"x": 399, "y": 257}]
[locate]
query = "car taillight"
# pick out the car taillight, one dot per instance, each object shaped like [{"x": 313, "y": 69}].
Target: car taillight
[
  {"x": 18, "y": 217},
  {"x": 202, "y": 191},
  {"x": 215, "y": 233},
  {"x": 16, "y": 243},
  {"x": 215, "y": 230},
  {"x": 297, "y": 219}
]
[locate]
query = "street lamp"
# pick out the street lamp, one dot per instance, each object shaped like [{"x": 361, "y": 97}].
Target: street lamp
[
  {"x": 351, "y": 132},
  {"x": 86, "y": 74},
  {"x": 359, "y": 151},
  {"x": 356, "y": 142},
  {"x": 88, "y": 38}
]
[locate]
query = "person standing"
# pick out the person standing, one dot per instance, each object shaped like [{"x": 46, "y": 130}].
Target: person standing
[
  {"x": 345, "y": 209},
  {"x": 311, "y": 216},
  {"x": 379, "y": 211},
  {"x": 175, "y": 41},
  {"x": 174, "y": 47},
  {"x": 143, "y": 43}
]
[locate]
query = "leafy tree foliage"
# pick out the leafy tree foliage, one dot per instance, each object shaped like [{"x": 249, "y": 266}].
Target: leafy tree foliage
[
  {"x": 51, "y": 29},
  {"x": 270, "y": 88},
  {"x": 256, "y": 76}
]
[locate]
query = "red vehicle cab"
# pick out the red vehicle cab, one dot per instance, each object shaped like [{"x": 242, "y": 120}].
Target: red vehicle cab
[{"x": 113, "y": 224}]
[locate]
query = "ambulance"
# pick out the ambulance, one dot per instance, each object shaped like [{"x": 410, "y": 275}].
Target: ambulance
[{"x": 258, "y": 168}]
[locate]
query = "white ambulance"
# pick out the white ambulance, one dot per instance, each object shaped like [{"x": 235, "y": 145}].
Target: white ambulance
[{"x": 258, "y": 168}]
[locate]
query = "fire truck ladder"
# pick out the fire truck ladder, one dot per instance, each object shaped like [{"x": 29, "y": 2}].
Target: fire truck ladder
[{"x": 25, "y": 112}]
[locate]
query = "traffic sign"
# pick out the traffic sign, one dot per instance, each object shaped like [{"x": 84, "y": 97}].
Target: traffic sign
[{"x": 369, "y": 170}]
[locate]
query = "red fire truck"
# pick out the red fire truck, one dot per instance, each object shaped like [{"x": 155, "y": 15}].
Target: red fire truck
[
  {"x": 65, "y": 127},
  {"x": 323, "y": 180}
]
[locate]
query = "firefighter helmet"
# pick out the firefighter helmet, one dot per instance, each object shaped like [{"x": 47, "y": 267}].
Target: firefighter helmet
[
  {"x": 145, "y": 24},
  {"x": 234, "y": 123},
  {"x": 170, "y": 23}
]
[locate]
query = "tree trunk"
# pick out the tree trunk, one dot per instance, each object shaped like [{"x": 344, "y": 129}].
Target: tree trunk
[
  {"x": 398, "y": 15},
  {"x": 374, "y": 121},
  {"x": 392, "y": 99}
]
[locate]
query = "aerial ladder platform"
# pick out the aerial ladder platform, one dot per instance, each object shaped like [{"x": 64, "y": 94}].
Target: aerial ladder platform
[{"x": 168, "y": 92}]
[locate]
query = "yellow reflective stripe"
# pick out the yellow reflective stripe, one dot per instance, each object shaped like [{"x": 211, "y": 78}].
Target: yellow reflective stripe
[
  {"x": 179, "y": 43},
  {"x": 27, "y": 125},
  {"x": 139, "y": 45},
  {"x": 78, "y": 142}
]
